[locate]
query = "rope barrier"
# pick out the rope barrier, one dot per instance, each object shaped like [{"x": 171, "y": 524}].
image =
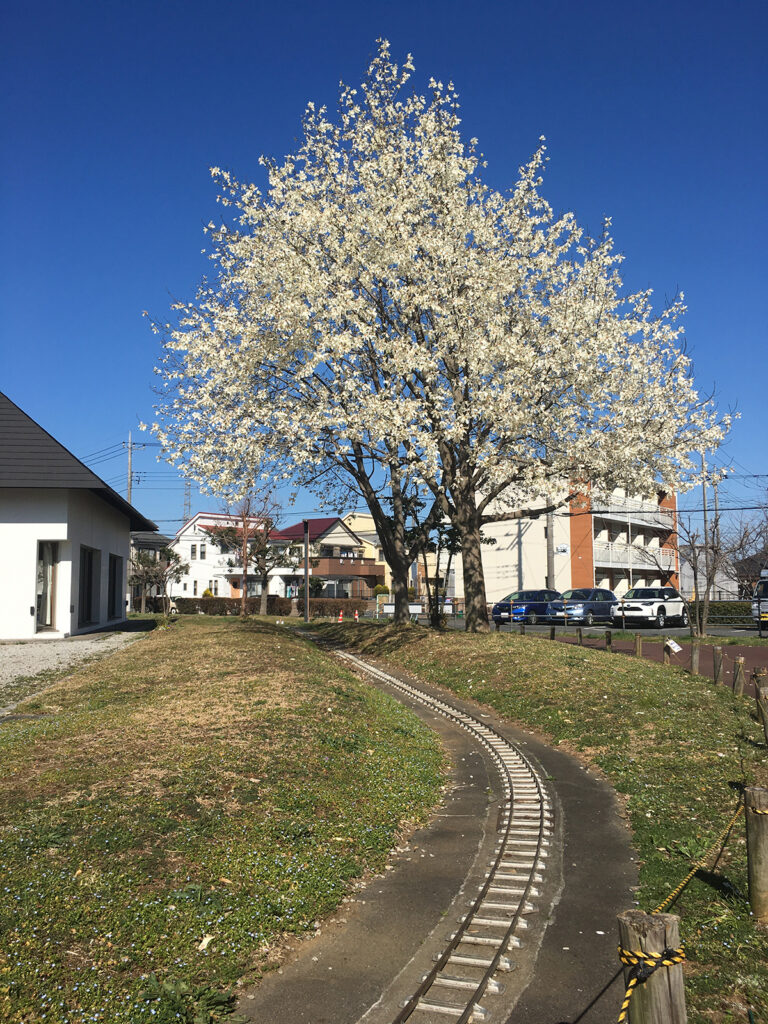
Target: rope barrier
[
  {"x": 699, "y": 863},
  {"x": 643, "y": 966}
]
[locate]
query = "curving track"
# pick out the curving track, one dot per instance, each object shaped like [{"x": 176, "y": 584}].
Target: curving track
[{"x": 470, "y": 970}]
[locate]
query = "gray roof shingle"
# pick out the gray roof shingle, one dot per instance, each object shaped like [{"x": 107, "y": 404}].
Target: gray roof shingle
[{"x": 30, "y": 457}]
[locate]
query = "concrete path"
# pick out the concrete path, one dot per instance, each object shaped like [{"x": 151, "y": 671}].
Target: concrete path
[{"x": 372, "y": 954}]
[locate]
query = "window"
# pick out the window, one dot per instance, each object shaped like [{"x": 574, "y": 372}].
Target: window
[
  {"x": 202, "y": 552},
  {"x": 88, "y": 597},
  {"x": 115, "y": 588},
  {"x": 184, "y": 587},
  {"x": 45, "y": 597},
  {"x": 215, "y": 588},
  {"x": 193, "y": 551},
  {"x": 210, "y": 585},
  {"x": 194, "y": 588}
]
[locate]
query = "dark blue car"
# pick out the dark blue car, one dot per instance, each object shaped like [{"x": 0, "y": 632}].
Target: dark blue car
[
  {"x": 584, "y": 604},
  {"x": 523, "y": 606}
]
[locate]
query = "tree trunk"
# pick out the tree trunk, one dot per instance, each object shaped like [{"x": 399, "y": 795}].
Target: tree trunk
[
  {"x": 263, "y": 601},
  {"x": 400, "y": 593},
  {"x": 475, "y": 604},
  {"x": 244, "y": 557}
]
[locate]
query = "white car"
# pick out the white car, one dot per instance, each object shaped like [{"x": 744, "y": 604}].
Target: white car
[
  {"x": 760, "y": 600},
  {"x": 651, "y": 605}
]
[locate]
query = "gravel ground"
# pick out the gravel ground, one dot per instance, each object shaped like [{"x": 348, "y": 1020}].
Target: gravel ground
[{"x": 33, "y": 658}]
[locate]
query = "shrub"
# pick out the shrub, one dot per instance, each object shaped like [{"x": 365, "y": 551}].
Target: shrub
[
  {"x": 380, "y": 588},
  {"x": 726, "y": 612}
]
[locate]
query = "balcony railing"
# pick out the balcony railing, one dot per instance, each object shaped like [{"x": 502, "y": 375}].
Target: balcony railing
[
  {"x": 364, "y": 568},
  {"x": 625, "y": 556},
  {"x": 647, "y": 513}
]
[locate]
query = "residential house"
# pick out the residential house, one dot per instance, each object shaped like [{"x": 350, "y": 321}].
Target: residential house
[
  {"x": 338, "y": 556},
  {"x": 210, "y": 567},
  {"x": 64, "y": 536}
]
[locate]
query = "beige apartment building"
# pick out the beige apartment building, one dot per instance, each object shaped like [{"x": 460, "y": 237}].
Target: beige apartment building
[{"x": 614, "y": 545}]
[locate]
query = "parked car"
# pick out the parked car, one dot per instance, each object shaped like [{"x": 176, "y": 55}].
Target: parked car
[
  {"x": 650, "y": 605},
  {"x": 582, "y": 605},
  {"x": 523, "y": 606},
  {"x": 760, "y": 599}
]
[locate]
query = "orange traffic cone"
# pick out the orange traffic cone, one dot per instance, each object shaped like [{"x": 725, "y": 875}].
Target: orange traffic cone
[
  {"x": 341, "y": 615},
  {"x": 356, "y": 618}
]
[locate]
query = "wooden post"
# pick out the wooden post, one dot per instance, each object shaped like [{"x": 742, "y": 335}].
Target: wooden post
[
  {"x": 608, "y": 641},
  {"x": 694, "y": 657},
  {"x": 738, "y": 676},
  {"x": 761, "y": 696},
  {"x": 660, "y": 999},
  {"x": 638, "y": 645},
  {"x": 579, "y": 637},
  {"x": 665, "y": 655},
  {"x": 551, "y": 632},
  {"x": 522, "y": 629},
  {"x": 717, "y": 659},
  {"x": 756, "y": 810},
  {"x": 758, "y": 679}
]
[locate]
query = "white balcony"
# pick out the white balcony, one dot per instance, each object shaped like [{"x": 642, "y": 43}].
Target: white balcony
[
  {"x": 645, "y": 513},
  {"x": 632, "y": 556}
]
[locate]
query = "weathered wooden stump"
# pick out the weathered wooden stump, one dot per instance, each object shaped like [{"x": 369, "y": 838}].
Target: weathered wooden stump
[
  {"x": 661, "y": 998},
  {"x": 694, "y": 657},
  {"x": 756, "y": 811},
  {"x": 717, "y": 659},
  {"x": 738, "y": 675},
  {"x": 761, "y": 696}
]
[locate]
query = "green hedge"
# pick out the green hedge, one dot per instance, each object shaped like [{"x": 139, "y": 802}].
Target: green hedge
[
  {"x": 319, "y": 607},
  {"x": 725, "y": 612},
  {"x": 231, "y": 605}
]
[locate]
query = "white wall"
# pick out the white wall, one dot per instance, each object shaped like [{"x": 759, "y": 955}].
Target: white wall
[
  {"x": 97, "y": 525},
  {"x": 71, "y": 518},
  {"x": 202, "y": 571},
  {"x": 518, "y": 559}
]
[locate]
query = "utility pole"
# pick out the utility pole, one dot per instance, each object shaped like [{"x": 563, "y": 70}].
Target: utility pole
[
  {"x": 706, "y": 522},
  {"x": 306, "y": 570},
  {"x": 550, "y": 528},
  {"x": 187, "y": 511}
]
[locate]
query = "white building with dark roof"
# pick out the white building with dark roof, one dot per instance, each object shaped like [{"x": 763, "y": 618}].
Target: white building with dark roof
[{"x": 64, "y": 537}]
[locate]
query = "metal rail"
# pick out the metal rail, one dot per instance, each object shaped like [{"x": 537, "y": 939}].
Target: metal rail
[{"x": 466, "y": 969}]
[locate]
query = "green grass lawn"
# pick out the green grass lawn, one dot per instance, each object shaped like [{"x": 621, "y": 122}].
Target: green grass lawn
[
  {"x": 181, "y": 806},
  {"x": 678, "y": 750}
]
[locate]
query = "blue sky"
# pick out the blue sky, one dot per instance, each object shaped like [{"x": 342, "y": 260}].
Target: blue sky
[{"x": 655, "y": 115}]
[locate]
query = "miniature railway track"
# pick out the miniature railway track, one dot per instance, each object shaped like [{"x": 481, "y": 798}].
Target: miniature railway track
[{"x": 470, "y": 968}]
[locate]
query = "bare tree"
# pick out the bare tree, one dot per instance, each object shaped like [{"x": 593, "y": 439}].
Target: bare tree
[
  {"x": 712, "y": 552},
  {"x": 250, "y": 539},
  {"x": 143, "y": 573},
  {"x": 170, "y": 569}
]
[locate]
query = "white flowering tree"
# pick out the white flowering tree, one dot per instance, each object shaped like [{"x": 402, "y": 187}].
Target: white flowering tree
[{"x": 381, "y": 316}]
